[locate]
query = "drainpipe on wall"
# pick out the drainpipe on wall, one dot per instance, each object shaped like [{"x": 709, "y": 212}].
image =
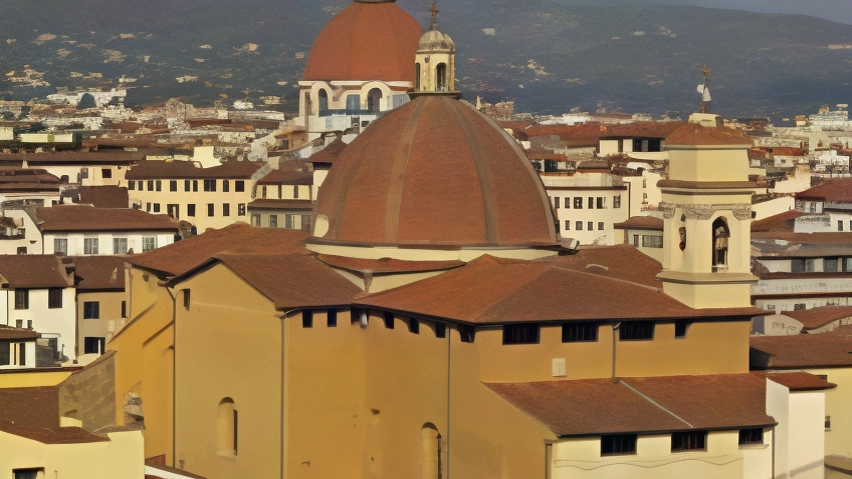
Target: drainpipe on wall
[
  {"x": 548, "y": 459},
  {"x": 615, "y": 328}
]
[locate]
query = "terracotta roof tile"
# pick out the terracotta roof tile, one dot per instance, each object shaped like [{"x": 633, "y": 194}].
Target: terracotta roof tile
[
  {"x": 19, "y": 176},
  {"x": 818, "y": 317},
  {"x": 622, "y": 262},
  {"x": 346, "y": 49},
  {"x": 164, "y": 169},
  {"x": 830, "y": 349},
  {"x": 695, "y": 134},
  {"x": 8, "y": 332},
  {"x": 99, "y": 273},
  {"x": 87, "y": 218},
  {"x": 833, "y": 238},
  {"x": 489, "y": 290},
  {"x": 330, "y": 153},
  {"x": 75, "y": 157},
  {"x": 782, "y": 222},
  {"x": 178, "y": 258},
  {"x": 33, "y": 413},
  {"x": 386, "y": 265},
  {"x": 642, "y": 405},
  {"x": 642, "y": 223},
  {"x": 34, "y": 271},
  {"x": 838, "y": 190},
  {"x": 289, "y": 173},
  {"x": 104, "y": 196},
  {"x": 801, "y": 381},
  {"x": 306, "y": 283},
  {"x": 643, "y": 129}
]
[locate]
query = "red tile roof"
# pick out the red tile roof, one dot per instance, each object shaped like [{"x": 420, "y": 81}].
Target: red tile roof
[
  {"x": 303, "y": 206},
  {"x": 165, "y": 169},
  {"x": 99, "y": 273},
  {"x": 178, "y": 258},
  {"x": 643, "y": 129},
  {"x": 300, "y": 280},
  {"x": 641, "y": 223},
  {"x": 386, "y": 265},
  {"x": 33, "y": 413},
  {"x": 695, "y": 134},
  {"x": 7, "y": 332},
  {"x": 623, "y": 262},
  {"x": 801, "y": 381},
  {"x": 435, "y": 172},
  {"x": 838, "y": 190},
  {"x": 17, "y": 177},
  {"x": 87, "y": 218},
  {"x": 805, "y": 238},
  {"x": 346, "y": 48},
  {"x": 104, "y": 196},
  {"x": 642, "y": 405},
  {"x": 289, "y": 173},
  {"x": 330, "y": 153},
  {"x": 823, "y": 350},
  {"x": 75, "y": 157},
  {"x": 489, "y": 290},
  {"x": 782, "y": 222},
  {"x": 818, "y": 317},
  {"x": 34, "y": 271}
]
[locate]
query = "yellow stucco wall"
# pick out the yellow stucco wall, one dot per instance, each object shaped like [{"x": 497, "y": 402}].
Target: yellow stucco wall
[
  {"x": 109, "y": 322},
  {"x": 26, "y": 379}
]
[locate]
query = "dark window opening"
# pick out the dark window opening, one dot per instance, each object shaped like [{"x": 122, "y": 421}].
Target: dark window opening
[
  {"x": 173, "y": 185},
  {"x": 467, "y": 333},
  {"x": 388, "y": 318},
  {"x": 332, "y": 318},
  {"x": 636, "y": 331},
  {"x": 579, "y": 332},
  {"x": 681, "y": 326},
  {"x": 91, "y": 310},
  {"x": 22, "y": 299},
  {"x": 239, "y": 186},
  {"x": 307, "y": 319},
  {"x": 440, "y": 330},
  {"x": 187, "y": 299},
  {"x": 413, "y": 326},
  {"x": 374, "y": 98},
  {"x": 226, "y": 186},
  {"x": 751, "y": 436},
  {"x": 721, "y": 235},
  {"x": 521, "y": 334},
  {"x": 93, "y": 345},
  {"x": 54, "y": 298},
  {"x": 617, "y": 444},
  {"x": 689, "y": 441},
  {"x": 441, "y": 77}
]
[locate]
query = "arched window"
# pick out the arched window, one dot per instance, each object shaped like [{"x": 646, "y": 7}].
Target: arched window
[
  {"x": 323, "y": 102},
  {"x": 430, "y": 455},
  {"x": 721, "y": 234},
  {"x": 441, "y": 80},
  {"x": 374, "y": 97},
  {"x": 417, "y": 76},
  {"x": 226, "y": 427}
]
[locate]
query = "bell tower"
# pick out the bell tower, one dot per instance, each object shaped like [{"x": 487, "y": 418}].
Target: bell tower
[
  {"x": 707, "y": 216},
  {"x": 435, "y": 62}
]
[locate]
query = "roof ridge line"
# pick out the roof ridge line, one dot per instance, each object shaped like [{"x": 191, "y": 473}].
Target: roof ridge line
[
  {"x": 636, "y": 391},
  {"x": 652, "y": 288}
]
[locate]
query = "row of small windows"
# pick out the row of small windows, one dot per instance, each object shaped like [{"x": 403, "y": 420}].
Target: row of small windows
[
  {"x": 289, "y": 221},
  {"x": 592, "y": 202},
  {"x": 188, "y": 185},
  {"x": 92, "y": 245},
  {"x": 840, "y": 225},
  {"x": 173, "y": 210},
  {"x": 648, "y": 241},
  {"x": 829, "y": 265},
  {"x": 625, "y": 444},
  {"x": 578, "y": 225},
  {"x": 54, "y": 298},
  {"x": 529, "y": 333},
  {"x": 263, "y": 191}
]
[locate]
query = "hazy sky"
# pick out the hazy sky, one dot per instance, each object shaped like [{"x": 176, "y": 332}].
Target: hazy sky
[{"x": 835, "y": 10}]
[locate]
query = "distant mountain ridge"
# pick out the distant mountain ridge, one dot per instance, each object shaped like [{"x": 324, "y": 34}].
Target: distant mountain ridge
[{"x": 547, "y": 57}]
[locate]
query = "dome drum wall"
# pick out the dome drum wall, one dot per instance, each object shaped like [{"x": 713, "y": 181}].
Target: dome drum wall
[{"x": 435, "y": 174}]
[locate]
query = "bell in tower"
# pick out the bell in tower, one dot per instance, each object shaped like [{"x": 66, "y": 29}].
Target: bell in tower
[{"x": 435, "y": 63}]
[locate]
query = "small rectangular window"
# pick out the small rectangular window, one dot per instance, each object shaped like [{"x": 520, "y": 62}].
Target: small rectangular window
[
  {"x": 556, "y": 202},
  {"x": 187, "y": 299},
  {"x": 681, "y": 326},
  {"x": 649, "y": 241},
  {"x": 388, "y": 318},
  {"x": 93, "y": 345},
  {"x": 156, "y": 207},
  {"x": 600, "y": 225},
  {"x": 241, "y": 209},
  {"x": 124, "y": 309},
  {"x": 273, "y": 221},
  {"x": 840, "y": 226},
  {"x": 591, "y": 225},
  {"x": 567, "y": 202},
  {"x": 578, "y": 226},
  {"x": 579, "y": 332},
  {"x": 332, "y": 318},
  {"x": 751, "y": 436},
  {"x": 84, "y": 173},
  {"x": 186, "y": 185},
  {"x": 799, "y": 306},
  {"x": 591, "y": 203},
  {"x": 211, "y": 209},
  {"x": 616, "y": 201},
  {"x": 28, "y": 473},
  {"x": 578, "y": 203},
  {"x": 255, "y": 220},
  {"x": 173, "y": 185},
  {"x": 131, "y": 185},
  {"x": 190, "y": 210},
  {"x": 5, "y": 353},
  {"x": 601, "y": 204},
  {"x": 239, "y": 186},
  {"x": 828, "y": 423},
  {"x": 209, "y": 185},
  {"x": 22, "y": 299},
  {"x": 119, "y": 246},
  {"x": 413, "y": 326},
  {"x": 54, "y": 298},
  {"x": 263, "y": 192},
  {"x": 618, "y": 444},
  {"x": 296, "y": 192},
  {"x": 91, "y": 310},
  {"x": 689, "y": 441},
  {"x": 226, "y": 186},
  {"x": 636, "y": 331},
  {"x": 150, "y": 185},
  {"x": 307, "y": 319},
  {"x": 149, "y": 243},
  {"x": 567, "y": 225},
  {"x": 288, "y": 221},
  {"x": 440, "y": 330},
  {"x": 521, "y": 333},
  {"x": 226, "y": 209},
  {"x": 194, "y": 185},
  {"x": 60, "y": 246},
  {"x": 829, "y": 265},
  {"x": 90, "y": 246},
  {"x": 159, "y": 185}
]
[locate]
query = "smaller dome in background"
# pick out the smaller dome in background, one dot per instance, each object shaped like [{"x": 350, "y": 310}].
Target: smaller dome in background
[{"x": 434, "y": 40}]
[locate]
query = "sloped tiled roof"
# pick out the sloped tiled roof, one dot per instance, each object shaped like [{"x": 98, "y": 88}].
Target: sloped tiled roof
[
  {"x": 33, "y": 413},
  {"x": 823, "y": 350},
  {"x": 801, "y": 381},
  {"x": 623, "y": 262},
  {"x": 104, "y": 196},
  {"x": 33, "y": 271},
  {"x": 490, "y": 290},
  {"x": 642, "y": 405},
  {"x": 7, "y": 332},
  {"x": 87, "y": 218},
  {"x": 838, "y": 190},
  {"x": 157, "y": 169},
  {"x": 330, "y": 153},
  {"x": 641, "y": 223},
  {"x": 818, "y": 317},
  {"x": 782, "y": 222},
  {"x": 99, "y": 273},
  {"x": 178, "y": 258},
  {"x": 386, "y": 265},
  {"x": 695, "y": 134},
  {"x": 290, "y": 173}
]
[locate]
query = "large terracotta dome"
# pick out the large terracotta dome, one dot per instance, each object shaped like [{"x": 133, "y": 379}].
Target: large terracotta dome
[
  {"x": 369, "y": 40},
  {"x": 435, "y": 172}
]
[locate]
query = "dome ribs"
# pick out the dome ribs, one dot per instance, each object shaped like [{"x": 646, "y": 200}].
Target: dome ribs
[{"x": 398, "y": 171}]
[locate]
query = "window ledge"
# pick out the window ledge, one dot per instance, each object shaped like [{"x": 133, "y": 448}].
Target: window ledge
[
  {"x": 754, "y": 446},
  {"x": 227, "y": 455}
]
